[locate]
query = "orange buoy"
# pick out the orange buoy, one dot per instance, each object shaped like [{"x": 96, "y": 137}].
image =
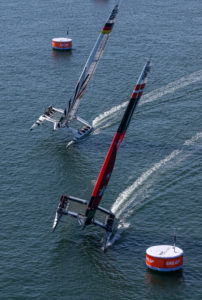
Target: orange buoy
[
  {"x": 62, "y": 43},
  {"x": 164, "y": 258}
]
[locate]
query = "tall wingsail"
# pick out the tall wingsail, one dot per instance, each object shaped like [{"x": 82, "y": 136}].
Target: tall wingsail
[
  {"x": 62, "y": 118},
  {"x": 109, "y": 162},
  {"x": 91, "y": 65}
]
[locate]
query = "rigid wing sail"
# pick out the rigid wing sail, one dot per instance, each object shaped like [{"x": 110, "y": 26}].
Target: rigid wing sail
[
  {"x": 88, "y": 217},
  {"x": 62, "y": 118}
]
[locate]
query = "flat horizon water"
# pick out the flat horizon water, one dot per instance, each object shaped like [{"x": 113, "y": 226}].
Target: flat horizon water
[{"x": 156, "y": 183}]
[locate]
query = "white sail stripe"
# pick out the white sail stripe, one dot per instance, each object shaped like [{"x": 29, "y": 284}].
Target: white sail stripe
[
  {"x": 91, "y": 67},
  {"x": 137, "y": 92}
]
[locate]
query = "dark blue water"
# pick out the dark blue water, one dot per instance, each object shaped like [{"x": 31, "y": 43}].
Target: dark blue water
[{"x": 156, "y": 184}]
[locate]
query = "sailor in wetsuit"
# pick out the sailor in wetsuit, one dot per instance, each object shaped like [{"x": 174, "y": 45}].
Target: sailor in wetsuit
[
  {"x": 63, "y": 201},
  {"x": 110, "y": 222},
  {"x": 49, "y": 111}
]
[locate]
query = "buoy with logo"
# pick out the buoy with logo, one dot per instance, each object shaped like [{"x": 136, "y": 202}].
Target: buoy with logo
[
  {"x": 62, "y": 43},
  {"x": 164, "y": 258}
]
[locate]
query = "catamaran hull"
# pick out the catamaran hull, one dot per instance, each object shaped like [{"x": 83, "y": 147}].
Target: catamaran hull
[
  {"x": 79, "y": 136},
  {"x": 55, "y": 115},
  {"x": 108, "y": 225}
]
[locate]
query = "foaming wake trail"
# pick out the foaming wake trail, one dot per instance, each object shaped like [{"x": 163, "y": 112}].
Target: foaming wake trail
[
  {"x": 172, "y": 87},
  {"x": 107, "y": 116},
  {"x": 126, "y": 201},
  {"x": 193, "y": 139},
  {"x": 131, "y": 189}
]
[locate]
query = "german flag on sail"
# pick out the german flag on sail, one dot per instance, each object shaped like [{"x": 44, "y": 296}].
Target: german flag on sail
[{"x": 107, "y": 28}]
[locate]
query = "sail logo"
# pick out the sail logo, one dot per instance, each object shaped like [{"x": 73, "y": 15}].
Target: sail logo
[
  {"x": 101, "y": 191},
  {"x": 119, "y": 141},
  {"x": 108, "y": 175},
  {"x": 114, "y": 13}
]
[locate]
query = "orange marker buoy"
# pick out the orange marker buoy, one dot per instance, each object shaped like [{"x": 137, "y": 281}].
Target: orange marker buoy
[
  {"x": 164, "y": 258},
  {"x": 62, "y": 43}
]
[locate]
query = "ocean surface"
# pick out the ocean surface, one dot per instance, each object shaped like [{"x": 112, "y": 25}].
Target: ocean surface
[{"x": 156, "y": 185}]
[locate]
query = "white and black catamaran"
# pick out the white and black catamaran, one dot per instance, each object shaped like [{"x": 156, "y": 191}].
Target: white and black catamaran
[
  {"x": 62, "y": 118},
  {"x": 88, "y": 217}
]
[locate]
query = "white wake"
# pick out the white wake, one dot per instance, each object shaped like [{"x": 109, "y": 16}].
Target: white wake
[
  {"x": 126, "y": 201},
  {"x": 105, "y": 119}
]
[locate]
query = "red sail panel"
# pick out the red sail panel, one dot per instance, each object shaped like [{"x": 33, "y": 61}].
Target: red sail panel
[
  {"x": 106, "y": 170},
  {"x": 103, "y": 177}
]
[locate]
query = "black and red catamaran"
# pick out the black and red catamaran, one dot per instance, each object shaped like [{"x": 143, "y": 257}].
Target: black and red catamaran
[{"x": 92, "y": 207}]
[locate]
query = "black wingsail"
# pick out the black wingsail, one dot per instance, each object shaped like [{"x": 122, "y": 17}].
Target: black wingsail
[{"x": 109, "y": 162}]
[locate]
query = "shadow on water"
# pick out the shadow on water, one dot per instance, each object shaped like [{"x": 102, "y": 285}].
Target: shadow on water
[
  {"x": 61, "y": 54},
  {"x": 164, "y": 279}
]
